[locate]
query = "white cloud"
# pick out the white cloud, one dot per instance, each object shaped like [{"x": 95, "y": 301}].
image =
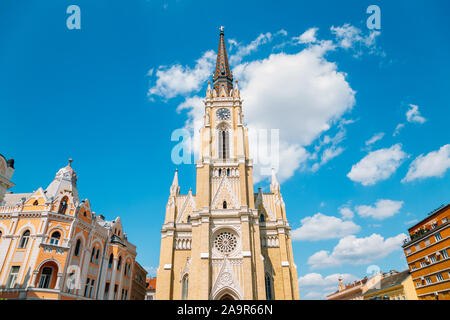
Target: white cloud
[
  {"x": 434, "y": 164},
  {"x": 397, "y": 129},
  {"x": 321, "y": 227},
  {"x": 309, "y": 36},
  {"x": 383, "y": 209},
  {"x": 377, "y": 165},
  {"x": 356, "y": 251},
  {"x": 307, "y": 100},
  {"x": 348, "y": 36},
  {"x": 243, "y": 51},
  {"x": 413, "y": 114},
  {"x": 182, "y": 80},
  {"x": 314, "y": 286},
  {"x": 376, "y": 137},
  {"x": 346, "y": 212},
  {"x": 333, "y": 150}
]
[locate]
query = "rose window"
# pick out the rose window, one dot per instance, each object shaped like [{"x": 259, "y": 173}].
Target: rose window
[{"x": 225, "y": 242}]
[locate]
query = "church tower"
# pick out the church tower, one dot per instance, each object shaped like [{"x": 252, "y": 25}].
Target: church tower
[{"x": 225, "y": 241}]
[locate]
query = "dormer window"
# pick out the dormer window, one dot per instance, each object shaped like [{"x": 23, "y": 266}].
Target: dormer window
[{"x": 63, "y": 206}]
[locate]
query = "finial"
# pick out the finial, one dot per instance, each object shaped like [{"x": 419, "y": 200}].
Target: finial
[
  {"x": 221, "y": 29},
  {"x": 70, "y": 162}
]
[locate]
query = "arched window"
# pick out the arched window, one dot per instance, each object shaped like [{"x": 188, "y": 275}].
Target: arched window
[
  {"x": 46, "y": 275},
  {"x": 224, "y": 204},
  {"x": 1, "y": 234},
  {"x": 261, "y": 218},
  {"x": 24, "y": 239},
  {"x": 97, "y": 256},
  {"x": 269, "y": 294},
  {"x": 184, "y": 290},
  {"x": 220, "y": 172},
  {"x": 35, "y": 203},
  {"x": 189, "y": 219},
  {"x": 119, "y": 263},
  {"x": 54, "y": 239},
  {"x": 110, "y": 262},
  {"x": 223, "y": 144},
  {"x": 228, "y": 172},
  {"x": 125, "y": 269},
  {"x": 92, "y": 255},
  {"x": 77, "y": 248},
  {"x": 63, "y": 206}
]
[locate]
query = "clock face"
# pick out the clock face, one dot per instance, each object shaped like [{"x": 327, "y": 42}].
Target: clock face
[{"x": 223, "y": 114}]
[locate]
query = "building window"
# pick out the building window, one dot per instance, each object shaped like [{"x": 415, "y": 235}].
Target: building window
[
  {"x": 119, "y": 263},
  {"x": 70, "y": 282},
  {"x": 92, "y": 255},
  {"x": 423, "y": 264},
  {"x": 427, "y": 242},
  {"x": 188, "y": 218},
  {"x": 97, "y": 256},
  {"x": 428, "y": 280},
  {"x": 224, "y": 204},
  {"x": 110, "y": 262},
  {"x": 115, "y": 291},
  {"x": 123, "y": 292},
  {"x": 86, "y": 288},
  {"x": 35, "y": 203},
  {"x": 11, "y": 283},
  {"x": 24, "y": 239},
  {"x": 444, "y": 254},
  {"x": 261, "y": 218},
  {"x": 185, "y": 288},
  {"x": 417, "y": 247},
  {"x": 105, "y": 295},
  {"x": 63, "y": 206},
  {"x": 268, "y": 283},
  {"x": 77, "y": 248},
  {"x": 125, "y": 269},
  {"x": 54, "y": 239},
  {"x": 46, "y": 276},
  {"x": 223, "y": 144},
  {"x": 439, "y": 277},
  {"x": 91, "y": 289},
  {"x": 438, "y": 237},
  {"x": 433, "y": 259}
]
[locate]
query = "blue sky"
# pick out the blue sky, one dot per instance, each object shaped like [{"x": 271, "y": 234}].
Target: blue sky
[{"x": 84, "y": 94}]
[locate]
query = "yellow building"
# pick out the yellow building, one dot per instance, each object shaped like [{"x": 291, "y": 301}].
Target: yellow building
[
  {"x": 52, "y": 246},
  {"x": 225, "y": 241},
  {"x": 6, "y": 172},
  {"x": 393, "y": 286},
  {"x": 427, "y": 253}
]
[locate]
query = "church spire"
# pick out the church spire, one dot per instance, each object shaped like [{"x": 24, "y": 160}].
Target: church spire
[
  {"x": 274, "y": 186},
  {"x": 222, "y": 74},
  {"x": 175, "y": 188}
]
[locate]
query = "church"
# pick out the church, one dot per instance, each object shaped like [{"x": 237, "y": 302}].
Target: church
[{"x": 225, "y": 242}]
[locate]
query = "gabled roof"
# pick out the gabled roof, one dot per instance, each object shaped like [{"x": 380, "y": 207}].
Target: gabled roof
[{"x": 390, "y": 281}]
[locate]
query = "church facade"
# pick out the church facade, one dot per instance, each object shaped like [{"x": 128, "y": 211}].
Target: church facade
[{"x": 225, "y": 242}]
